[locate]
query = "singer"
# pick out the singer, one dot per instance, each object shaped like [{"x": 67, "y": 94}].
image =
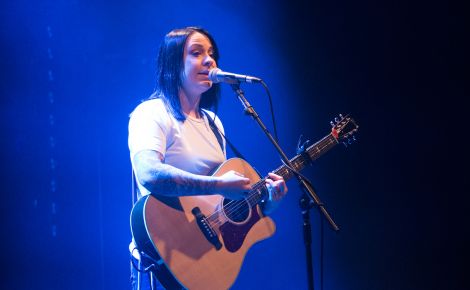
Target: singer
[{"x": 175, "y": 143}]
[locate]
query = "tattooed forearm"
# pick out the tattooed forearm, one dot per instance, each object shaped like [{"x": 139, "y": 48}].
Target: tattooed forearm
[
  {"x": 169, "y": 180},
  {"x": 165, "y": 179}
]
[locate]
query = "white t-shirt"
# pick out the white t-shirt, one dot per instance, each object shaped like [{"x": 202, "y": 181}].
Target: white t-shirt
[{"x": 190, "y": 145}]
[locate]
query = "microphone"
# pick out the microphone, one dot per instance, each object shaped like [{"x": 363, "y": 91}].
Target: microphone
[{"x": 216, "y": 75}]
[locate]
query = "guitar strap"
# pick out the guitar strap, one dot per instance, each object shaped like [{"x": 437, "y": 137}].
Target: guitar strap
[
  {"x": 219, "y": 135},
  {"x": 135, "y": 188}
]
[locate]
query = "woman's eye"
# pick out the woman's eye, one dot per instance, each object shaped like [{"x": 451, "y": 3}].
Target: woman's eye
[{"x": 196, "y": 53}]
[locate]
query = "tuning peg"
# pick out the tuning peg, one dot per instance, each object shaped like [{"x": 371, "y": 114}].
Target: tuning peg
[
  {"x": 336, "y": 120},
  {"x": 341, "y": 116},
  {"x": 345, "y": 144},
  {"x": 332, "y": 124}
]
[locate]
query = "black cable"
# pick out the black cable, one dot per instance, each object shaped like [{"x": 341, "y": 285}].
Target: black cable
[
  {"x": 143, "y": 255},
  {"x": 272, "y": 110}
]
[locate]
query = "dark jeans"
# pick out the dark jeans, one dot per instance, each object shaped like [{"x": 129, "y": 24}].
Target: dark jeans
[{"x": 141, "y": 280}]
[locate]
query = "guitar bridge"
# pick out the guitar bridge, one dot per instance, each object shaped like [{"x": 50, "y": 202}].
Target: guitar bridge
[{"x": 206, "y": 229}]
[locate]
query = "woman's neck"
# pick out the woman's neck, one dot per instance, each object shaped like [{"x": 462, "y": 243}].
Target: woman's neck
[{"x": 189, "y": 104}]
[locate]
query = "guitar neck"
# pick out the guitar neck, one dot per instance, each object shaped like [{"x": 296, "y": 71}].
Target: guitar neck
[
  {"x": 311, "y": 153},
  {"x": 299, "y": 162}
]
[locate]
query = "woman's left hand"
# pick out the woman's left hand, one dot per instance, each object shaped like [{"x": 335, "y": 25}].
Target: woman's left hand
[{"x": 276, "y": 186}]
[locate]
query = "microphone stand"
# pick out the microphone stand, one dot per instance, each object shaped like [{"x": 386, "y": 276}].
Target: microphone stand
[{"x": 309, "y": 197}]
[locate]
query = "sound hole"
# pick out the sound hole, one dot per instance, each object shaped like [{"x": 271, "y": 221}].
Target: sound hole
[{"x": 236, "y": 210}]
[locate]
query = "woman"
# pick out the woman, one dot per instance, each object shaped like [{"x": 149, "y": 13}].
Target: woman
[{"x": 172, "y": 146}]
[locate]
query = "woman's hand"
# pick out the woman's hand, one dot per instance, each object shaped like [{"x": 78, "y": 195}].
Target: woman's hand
[
  {"x": 277, "y": 189},
  {"x": 233, "y": 185}
]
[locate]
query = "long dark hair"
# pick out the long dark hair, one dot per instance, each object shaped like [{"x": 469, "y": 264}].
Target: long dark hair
[{"x": 170, "y": 66}]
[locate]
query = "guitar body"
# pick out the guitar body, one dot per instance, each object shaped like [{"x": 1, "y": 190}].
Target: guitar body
[{"x": 167, "y": 229}]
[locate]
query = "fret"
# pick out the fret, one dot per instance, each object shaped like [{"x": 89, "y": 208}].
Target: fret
[{"x": 322, "y": 146}]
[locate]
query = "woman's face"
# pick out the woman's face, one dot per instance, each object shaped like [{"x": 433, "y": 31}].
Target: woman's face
[{"x": 197, "y": 59}]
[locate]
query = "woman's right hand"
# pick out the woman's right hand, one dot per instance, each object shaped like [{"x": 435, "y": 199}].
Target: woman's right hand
[{"x": 233, "y": 185}]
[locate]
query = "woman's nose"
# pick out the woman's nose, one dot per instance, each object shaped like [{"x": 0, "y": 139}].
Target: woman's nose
[{"x": 209, "y": 61}]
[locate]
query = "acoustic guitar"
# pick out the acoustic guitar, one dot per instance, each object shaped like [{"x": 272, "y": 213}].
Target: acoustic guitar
[{"x": 199, "y": 242}]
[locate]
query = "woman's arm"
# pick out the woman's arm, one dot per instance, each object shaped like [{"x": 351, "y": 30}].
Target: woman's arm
[{"x": 164, "y": 179}]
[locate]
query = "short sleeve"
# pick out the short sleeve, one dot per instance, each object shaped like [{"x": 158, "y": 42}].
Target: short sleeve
[{"x": 148, "y": 126}]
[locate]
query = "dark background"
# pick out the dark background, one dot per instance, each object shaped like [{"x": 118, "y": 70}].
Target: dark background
[{"x": 72, "y": 71}]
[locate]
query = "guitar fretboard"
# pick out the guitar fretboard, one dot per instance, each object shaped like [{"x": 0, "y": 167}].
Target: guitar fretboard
[{"x": 259, "y": 191}]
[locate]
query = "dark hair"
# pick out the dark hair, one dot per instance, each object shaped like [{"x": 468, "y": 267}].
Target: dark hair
[{"x": 170, "y": 66}]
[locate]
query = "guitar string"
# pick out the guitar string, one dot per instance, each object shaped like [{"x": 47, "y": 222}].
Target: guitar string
[
  {"x": 240, "y": 208},
  {"x": 237, "y": 207},
  {"x": 327, "y": 141},
  {"x": 320, "y": 145},
  {"x": 234, "y": 206}
]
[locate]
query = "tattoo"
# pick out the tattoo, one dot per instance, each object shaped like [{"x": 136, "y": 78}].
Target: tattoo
[{"x": 164, "y": 179}]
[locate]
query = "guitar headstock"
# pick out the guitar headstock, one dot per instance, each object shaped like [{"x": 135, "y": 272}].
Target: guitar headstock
[{"x": 343, "y": 129}]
